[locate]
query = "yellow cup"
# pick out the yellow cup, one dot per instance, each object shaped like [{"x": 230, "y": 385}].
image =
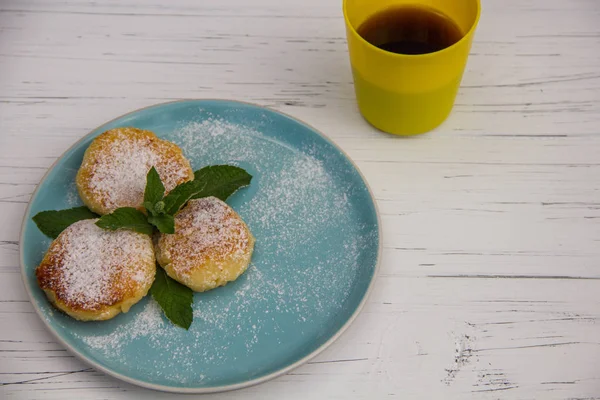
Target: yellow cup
[{"x": 408, "y": 94}]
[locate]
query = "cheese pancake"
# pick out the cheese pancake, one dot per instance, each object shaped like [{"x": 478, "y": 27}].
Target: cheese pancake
[
  {"x": 115, "y": 165},
  {"x": 94, "y": 274},
  {"x": 210, "y": 247}
]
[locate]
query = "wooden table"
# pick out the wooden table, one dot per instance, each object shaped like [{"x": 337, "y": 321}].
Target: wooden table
[{"x": 490, "y": 279}]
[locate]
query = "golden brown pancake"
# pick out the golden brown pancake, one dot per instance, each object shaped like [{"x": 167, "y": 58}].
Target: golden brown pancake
[
  {"x": 94, "y": 274},
  {"x": 115, "y": 165},
  {"x": 210, "y": 247}
]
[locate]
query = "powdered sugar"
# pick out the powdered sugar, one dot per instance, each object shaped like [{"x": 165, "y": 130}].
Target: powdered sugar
[
  {"x": 147, "y": 323},
  {"x": 72, "y": 197},
  {"x": 217, "y": 139}
]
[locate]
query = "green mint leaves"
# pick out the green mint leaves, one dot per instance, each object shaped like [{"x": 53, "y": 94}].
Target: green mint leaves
[
  {"x": 126, "y": 218},
  {"x": 217, "y": 180},
  {"x": 52, "y": 223},
  {"x": 174, "y": 298},
  {"x": 221, "y": 181}
]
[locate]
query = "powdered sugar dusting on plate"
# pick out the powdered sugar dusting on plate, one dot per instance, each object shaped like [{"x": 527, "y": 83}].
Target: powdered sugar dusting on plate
[
  {"x": 72, "y": 197},
  {"x": 147, "y": 323}
]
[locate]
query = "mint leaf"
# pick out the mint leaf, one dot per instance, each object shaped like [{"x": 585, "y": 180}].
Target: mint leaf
[
  {"x": 181, "y": 194},
  {"x": 221, "y": 180},
  {"x": 126, "y": 218},
  {"x": 174, "y": 298},
  {"x": 165, "y": 222},
  {"x": 52, "y": 223},
  {"x": 155, "y": 190}
]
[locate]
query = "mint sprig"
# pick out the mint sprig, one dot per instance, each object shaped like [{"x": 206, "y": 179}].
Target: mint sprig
[
  {"x": 174, "y": 298},
  {"x": 217, "y": 180},
  {"x": 52, "y": 223}
]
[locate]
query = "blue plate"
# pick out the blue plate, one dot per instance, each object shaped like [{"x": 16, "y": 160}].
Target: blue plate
[{"x": 317, "y": 249}]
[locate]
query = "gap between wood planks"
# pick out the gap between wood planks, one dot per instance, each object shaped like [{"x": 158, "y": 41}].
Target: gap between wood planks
[{"x": 480, "y": 276}]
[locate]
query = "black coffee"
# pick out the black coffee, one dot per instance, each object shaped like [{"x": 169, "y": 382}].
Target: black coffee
[{"x": 410, "y": 29}]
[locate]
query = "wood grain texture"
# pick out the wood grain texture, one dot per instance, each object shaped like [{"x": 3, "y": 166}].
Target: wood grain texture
[{"x": 490, "y": 281}]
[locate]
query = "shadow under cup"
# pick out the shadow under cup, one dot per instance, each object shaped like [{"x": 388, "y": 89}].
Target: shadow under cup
[{"x": 408, "y": 94}]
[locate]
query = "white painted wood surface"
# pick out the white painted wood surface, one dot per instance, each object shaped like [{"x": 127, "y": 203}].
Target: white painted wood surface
[{"x": 490, "y": 281}]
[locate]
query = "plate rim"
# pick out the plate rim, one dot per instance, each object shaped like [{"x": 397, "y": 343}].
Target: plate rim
[{"x": 210, "y": 389}]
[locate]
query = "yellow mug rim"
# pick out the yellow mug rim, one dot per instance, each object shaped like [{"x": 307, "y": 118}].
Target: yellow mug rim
[{"x": 413, "y": 56}]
